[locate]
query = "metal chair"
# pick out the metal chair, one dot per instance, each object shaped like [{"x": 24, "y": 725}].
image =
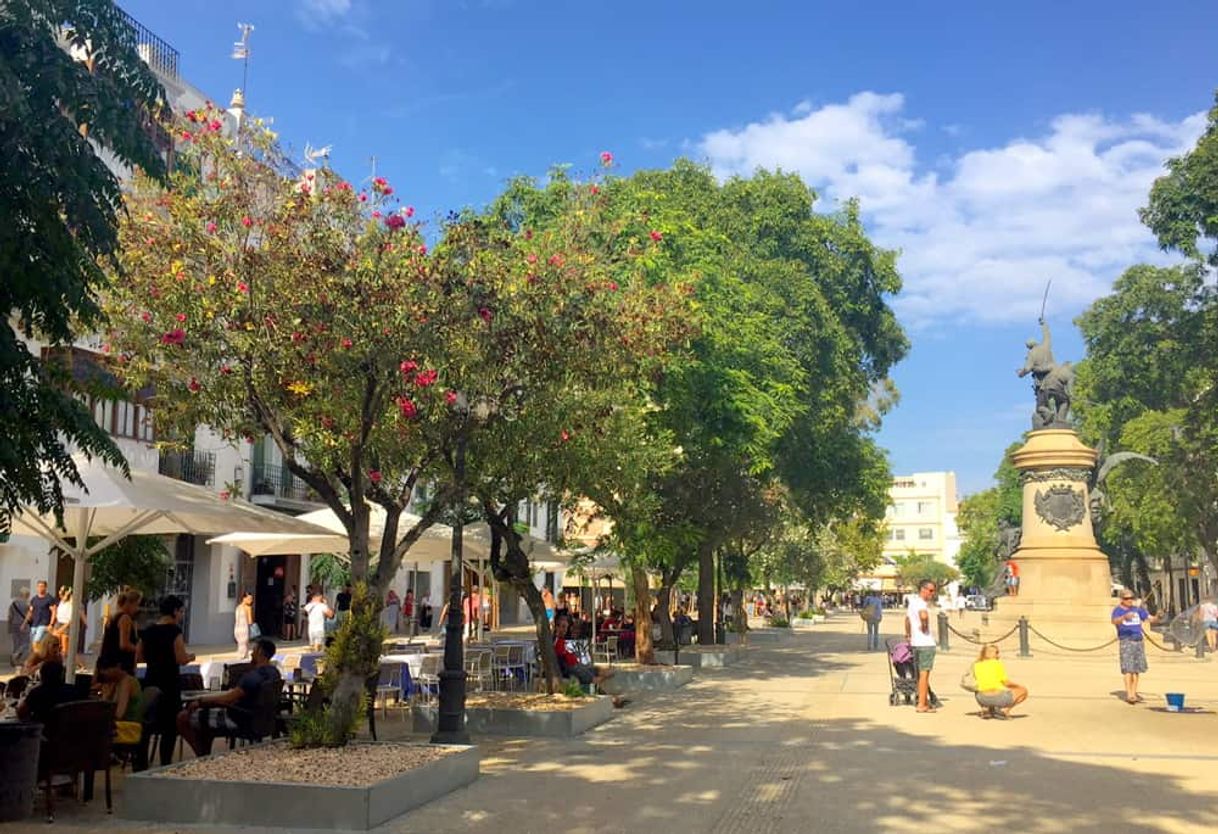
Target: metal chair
[
  {"x": 429, "y": 676},
  {"x": 233, "y": 673},
  {"x": 606, "y": 650},
  {"x": 389, "y": 684}
]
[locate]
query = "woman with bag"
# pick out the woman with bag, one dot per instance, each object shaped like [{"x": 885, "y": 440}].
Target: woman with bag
[
  {"x": 994, "y": 691},
  {"x": 244, "y": 627}
]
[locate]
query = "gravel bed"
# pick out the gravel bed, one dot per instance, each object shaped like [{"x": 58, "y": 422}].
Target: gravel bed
[
  {"x": 356, "y": 765},
  {"x": 524, "y": 700}
]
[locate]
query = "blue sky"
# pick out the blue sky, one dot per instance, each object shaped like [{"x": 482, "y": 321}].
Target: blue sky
[{"x": 996, "y": 145}]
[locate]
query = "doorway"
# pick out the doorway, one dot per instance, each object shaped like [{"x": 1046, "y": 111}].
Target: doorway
[{"x": 268, "y": 594}]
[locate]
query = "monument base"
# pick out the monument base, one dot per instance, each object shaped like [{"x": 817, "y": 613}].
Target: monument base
[{"x": 1075, "y": 625}]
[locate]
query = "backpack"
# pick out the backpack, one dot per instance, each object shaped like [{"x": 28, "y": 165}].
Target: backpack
[{"x": 870, "y": 612}]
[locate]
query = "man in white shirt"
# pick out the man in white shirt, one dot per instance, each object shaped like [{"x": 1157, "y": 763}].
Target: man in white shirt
[{"x": 921, "y": 640}]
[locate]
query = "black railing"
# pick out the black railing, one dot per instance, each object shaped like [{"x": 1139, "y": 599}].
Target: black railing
[
  {"x": 155, "y": 52},
  {"x": 192, "y": 467},
  {"x": 281, "y": 483}
]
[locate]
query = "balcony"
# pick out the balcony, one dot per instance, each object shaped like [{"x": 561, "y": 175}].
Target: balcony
[
  {"x": 155, "y": 52},
  {"x": 192, "y": 467},
  {"x": 279, "y": 482}
]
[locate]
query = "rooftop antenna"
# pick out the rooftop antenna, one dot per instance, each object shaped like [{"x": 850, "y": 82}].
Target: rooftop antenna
[{"x": 241, "y": 52}]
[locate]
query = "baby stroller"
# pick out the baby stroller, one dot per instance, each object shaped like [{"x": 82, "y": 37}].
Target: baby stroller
[{"x": 903, "y": 674}]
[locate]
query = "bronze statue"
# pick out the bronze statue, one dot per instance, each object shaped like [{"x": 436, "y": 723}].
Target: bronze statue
[{"x": 1052, "y": 382}]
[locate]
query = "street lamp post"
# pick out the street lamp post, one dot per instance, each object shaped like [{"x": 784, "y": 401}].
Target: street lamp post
[{"x": 450, "y": 721}]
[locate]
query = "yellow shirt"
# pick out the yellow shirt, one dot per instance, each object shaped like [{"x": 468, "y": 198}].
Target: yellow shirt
[{"x": 990, "y": 675}]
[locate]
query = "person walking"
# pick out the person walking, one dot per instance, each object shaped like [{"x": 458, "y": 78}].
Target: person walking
[
  {"x": 19, "y": 628},
  {"x": 243, "y": 620},
  {"x": 1129, "y": 619},
  {"x": 1208, "y": 612},
  {"x": 921, "y": 640},
  {"x": 872, "y": 613},
  {"x": 41, "y": 612},
  {"x": 317, "y": 612}
]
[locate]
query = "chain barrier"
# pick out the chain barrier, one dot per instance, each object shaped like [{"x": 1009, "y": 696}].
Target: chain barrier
[
  {"x": 976, "y": 642},
  {"x": 1163, "y": 648},
  {"x": 1069, "y": 648}
]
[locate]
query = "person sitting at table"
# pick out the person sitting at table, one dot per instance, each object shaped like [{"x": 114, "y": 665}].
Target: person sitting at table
[
  {"x": 569, "y": 664},
  {"x": 163, "y": 648},
  {"x": 52, "y": 690},
  {"x": 47, "y": 649},
  {"x": 114, "y": 684},
  {"x": 209, "y": 716}
]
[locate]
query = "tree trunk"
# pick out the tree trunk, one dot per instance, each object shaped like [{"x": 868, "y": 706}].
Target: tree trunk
[
  {"x": 643, "y": 650},
  {"x": 513, "y": 568},
  {"x": 663, "y": 604},
  {"x": 706, "y": 595}
]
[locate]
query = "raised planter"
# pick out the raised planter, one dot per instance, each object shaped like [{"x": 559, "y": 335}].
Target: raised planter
[
  {"x": 802, "y": 623},
  {"x": 161, "y": 796},
  {"x": 708, "y": 658},
  {"x": 633, "y": 678},
  {"x": 504, "y": 721}
]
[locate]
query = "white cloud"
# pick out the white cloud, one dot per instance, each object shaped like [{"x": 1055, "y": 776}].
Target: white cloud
[
  {"x": 319, "y": 13},
  {"x": 981, "y": 234}
]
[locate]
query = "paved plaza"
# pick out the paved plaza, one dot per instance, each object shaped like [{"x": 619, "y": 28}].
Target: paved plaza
[{"x": 800, "y": 737}]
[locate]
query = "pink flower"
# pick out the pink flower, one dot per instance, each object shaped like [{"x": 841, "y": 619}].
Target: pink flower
[
  {"x": 374, "y": 475},
  {"x": 363, "y": 198},
  {"x": 528, "y": 234},
  {"x": 422, "y": 250},
  {"x": 450, "y": 397},
  {"x": 181, "y": 317},
  {"x": 486, "y": 314},
  {"x": 308, "y": 176},
  {"x": 387, "y": 190},
  {"x": 327, "y": 422},
  {"x": 243, "y": 287},
  {"x": 564, "y": 435},
  {"x": 304, "y": 188},
  {"x": 556, "y": 259},
  {"x": 376, "y": 213},
  {"x": 395, "y": 221},
  {"x": 656, "y": 236},
  {"x": 224, "y": 495},
  {"x": 187, "y": 136},
  {"x": 408, "y": 211},
  {"x": 606, "y": 158},
  {"x": 211, "y": 227},
  {"x": 215, "y": 125},
  {"x": 407, "y": 407},
  {"x": 613, "y": 285},
  {"x": 531, "y": 258},
  {"x": 226, "y": 369},
  {"x": 593, "y": 190},
  {"x": 297, "y": 336},
  {"x": 192, "y": 116},
  {"x": 346, "y": 343},
  {"x": 380, "y": 181},
  {"x": 194, "y": 385},
  {"x": 425, "y": 378},
  {"x": 146, "y": 316},
  {"x": 408, "y": 366},
  {"x": 344, "y": 186},
  {"x": 246, "y": 221}
]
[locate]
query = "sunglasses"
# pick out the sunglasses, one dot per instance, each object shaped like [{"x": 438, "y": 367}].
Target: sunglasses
[{"x": 1126, "y": 599}]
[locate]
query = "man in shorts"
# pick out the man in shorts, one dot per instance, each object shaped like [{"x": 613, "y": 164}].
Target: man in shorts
[
  {"x": 569, "y": 663},
  {"x": 209, "y": 716},
  {"x": 921, "y": 640}
]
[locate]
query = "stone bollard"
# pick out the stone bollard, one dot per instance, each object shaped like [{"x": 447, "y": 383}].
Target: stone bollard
[
  {"x": 943, "y": 642},
  {"x": 1024, "y": 648}
]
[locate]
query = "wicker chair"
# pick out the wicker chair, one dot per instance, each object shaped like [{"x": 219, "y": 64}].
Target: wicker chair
[{"x": 77, "y": 742}]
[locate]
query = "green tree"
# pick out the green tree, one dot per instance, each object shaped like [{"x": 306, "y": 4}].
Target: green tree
[
  {"x": 981, "y": 519},
  {"x": 70, "y": 84},
  {"x": 140, "y": 562},
  {"x": 913, "y": 567}
]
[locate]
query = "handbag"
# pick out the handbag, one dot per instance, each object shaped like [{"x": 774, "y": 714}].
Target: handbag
[
  {"x": 255, "y": 631},
  {"x": 968, "y": 681}
]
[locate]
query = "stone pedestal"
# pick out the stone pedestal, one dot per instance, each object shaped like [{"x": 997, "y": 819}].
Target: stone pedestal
[{"x": 1065, "y": 584}]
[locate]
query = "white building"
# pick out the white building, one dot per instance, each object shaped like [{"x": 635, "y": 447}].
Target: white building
[{"x": 921, "y": 516}]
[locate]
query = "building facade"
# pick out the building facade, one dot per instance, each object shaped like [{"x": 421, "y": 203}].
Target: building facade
[{"x": 921, "y": 516}]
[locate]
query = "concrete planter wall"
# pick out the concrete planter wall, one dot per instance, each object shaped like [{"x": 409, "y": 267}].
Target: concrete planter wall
[
  {"x": 495, "y": 721},
  {"x": 769, "y": 635},
  {"x": 649, "y": 678},
  {"x": 716, "y": 658},
  {"x": 801, "y": 624},
  {"x": 154, "y": 797}
]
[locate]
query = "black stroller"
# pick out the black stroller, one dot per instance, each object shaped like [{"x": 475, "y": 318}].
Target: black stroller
[{"x": 903, "y": 674}]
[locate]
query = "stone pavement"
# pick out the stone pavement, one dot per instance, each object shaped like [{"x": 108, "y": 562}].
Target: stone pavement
[{"x": 800, "y": 737}]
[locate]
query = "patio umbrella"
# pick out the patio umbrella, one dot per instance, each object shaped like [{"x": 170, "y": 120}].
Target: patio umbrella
[{"x": 110, "y": 507}]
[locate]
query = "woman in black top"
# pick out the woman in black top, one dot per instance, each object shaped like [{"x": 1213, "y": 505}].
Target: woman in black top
[
  {"x": 119, "y": 638},
  {"x": 163, "y": 648}
]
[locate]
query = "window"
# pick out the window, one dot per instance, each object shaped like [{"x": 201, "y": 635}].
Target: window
[
  {"x": 926, "y": 507},
  {"x": 899, "y": 535},
  {"x": 926, "y": 533}
]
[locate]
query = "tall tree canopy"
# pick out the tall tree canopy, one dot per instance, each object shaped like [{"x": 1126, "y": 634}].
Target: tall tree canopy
[{"x": 70, "y": 84}]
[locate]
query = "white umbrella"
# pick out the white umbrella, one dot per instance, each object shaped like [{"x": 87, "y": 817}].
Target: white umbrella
[{"x": 111, "y": 507}]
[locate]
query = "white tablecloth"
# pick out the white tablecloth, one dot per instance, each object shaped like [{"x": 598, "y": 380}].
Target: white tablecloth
[{"x": 414, "y": 662}]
